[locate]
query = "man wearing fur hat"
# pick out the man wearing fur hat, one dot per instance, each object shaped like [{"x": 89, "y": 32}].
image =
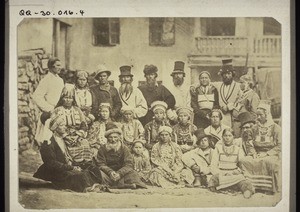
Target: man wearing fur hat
[
  {"x": 228, "y": 91},
  {"x": 131, "y": 96},
  {"x": 152, "y": 91},
  {"x": 115, "y": 161},
  {"x": 104, "y": 92}
]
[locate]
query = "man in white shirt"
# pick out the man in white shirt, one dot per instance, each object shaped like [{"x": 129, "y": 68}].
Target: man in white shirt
[
  {"x": 130, "y": 96},
  {"x": 179, "y": 90},
  {"x": 46, "y": 96}
]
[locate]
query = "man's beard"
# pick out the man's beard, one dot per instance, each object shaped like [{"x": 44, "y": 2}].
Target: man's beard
[
  {"x": 227, "y": 81},
  {"x": 178, "y": 81},
  {"x": 247, "y": 135},
  {"x": 126, "y": 89},
  {"x": 151, "y": 82},
  {"x": 113, "y": 147}
]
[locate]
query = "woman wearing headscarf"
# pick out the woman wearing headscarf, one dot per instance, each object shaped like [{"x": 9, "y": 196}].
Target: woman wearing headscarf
[
  {"x": 83, "y": 96},
  {"x": 96, "y": 133},
  {"x": 76, "y": 125},
  {"x": 166, "y": 157},
  {"x": 203, "y": 100},
  {"x": 185, "y": 129},
  {"x": 247, "y": 100},
  {"x": 263, "y": 166},
  {"x": 59, "y": 166}
]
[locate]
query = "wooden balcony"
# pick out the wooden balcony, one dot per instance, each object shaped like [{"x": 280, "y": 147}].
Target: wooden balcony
[{"x": 268, "y": 46}]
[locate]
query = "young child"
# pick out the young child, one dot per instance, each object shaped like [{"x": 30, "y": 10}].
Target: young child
[
  {"x": 185, "y": 129},
  {"x": 141, "y": 159},
  {"x": 132, "y": 128},
  {"x": 160, "y": 119},
  {"x": 198, "y": 159},
  {"x": 96, "y": 133}
]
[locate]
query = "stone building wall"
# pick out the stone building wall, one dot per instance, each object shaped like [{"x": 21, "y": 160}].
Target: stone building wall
[{"x": 32, "y": 67}]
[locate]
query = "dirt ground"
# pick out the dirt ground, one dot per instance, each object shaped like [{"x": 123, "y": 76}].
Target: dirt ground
[{"x": 45, "y": 196}]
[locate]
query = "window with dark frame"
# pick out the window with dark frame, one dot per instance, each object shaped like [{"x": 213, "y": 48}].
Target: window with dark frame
[
  {"x": 220, "y": 26},
  {"x": 161, "y": 31},
  {"x": 106, "y": 31},
  {"x": 271, "y": 26}
]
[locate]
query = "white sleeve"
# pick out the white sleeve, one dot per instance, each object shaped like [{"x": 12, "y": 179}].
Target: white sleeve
[
  {"x": 39, "y": 96},
  {"x": 141, "y": 108}
]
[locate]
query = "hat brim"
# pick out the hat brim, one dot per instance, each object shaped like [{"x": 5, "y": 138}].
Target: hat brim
[
  {"x": 97, "y": 75},
  {"x": 126, "y": 75},
  {"x": 177, "y": 72},
  {"x": 247, "y": 123},
  {"x": 111, "y": 131}
]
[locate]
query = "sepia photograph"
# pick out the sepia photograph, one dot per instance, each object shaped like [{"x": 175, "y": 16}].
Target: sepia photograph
[
  {"x": 148, "y": 111},
  {"x": 153, "y": 109}
]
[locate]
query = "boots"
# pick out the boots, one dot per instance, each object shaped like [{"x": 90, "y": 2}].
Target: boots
[{"x": 197, "y": 181}]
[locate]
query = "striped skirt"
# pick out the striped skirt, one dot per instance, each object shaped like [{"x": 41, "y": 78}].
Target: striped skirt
[{"x": 263, "y": 173}]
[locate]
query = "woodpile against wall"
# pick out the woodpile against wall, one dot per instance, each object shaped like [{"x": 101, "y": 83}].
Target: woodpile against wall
[{"x": 32, "y": 67}]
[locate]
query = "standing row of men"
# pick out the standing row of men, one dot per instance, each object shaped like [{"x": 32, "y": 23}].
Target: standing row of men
[{"x": 202, "y": 97}]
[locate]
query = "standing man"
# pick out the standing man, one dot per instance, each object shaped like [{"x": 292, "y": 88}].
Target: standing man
[
  {"x": 104, "y": 92},
  {"x": 130, "y": 96},
  {"x": 180, "y": 91},
  {"x": 228, "y": 91},
  {"x": 154, "y": 92},
  {"x": 46, "y": 97},
  {"x": 203, "y": 100}
]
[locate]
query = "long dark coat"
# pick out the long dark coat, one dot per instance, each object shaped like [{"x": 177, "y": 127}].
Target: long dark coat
[
  {"x": 121, "y": 162},
  {"x": 56, "y": 169},
  {"x": 103, "y": 96},
  {"x": 158, "y": 93}
]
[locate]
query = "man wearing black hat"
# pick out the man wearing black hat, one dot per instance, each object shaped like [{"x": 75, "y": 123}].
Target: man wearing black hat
[
  {"x": 154, "y": 92},
  {"x": 104, "y": 92},
  {"x": 228, "y": 91},
  {"x": 129, "y": 96},
  {"x": 178, "y": 88}
]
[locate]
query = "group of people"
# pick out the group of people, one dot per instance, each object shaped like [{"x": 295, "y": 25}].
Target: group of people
[{"x": 214, "y": 135}]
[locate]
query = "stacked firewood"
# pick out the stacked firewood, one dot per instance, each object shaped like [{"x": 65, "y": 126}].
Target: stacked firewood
[{"x": 32, "y": 67}]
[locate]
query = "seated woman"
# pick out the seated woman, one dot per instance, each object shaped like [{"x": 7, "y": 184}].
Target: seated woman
[
  {"x": 263, "y": 165},
  {"x": 160, "y": 119},
  {"x": 141, "y": 159},
  {"x": 216, "y": 128},
  {"x": 185, "y": 129},
  {"x": 96, "y": 133},
  {"x": 59, "y": 167},
  {"x": 115, "y": 161},
  {"x": 166, "y": 157},
  {"x": 83, "y": 96},
  {"x": 199, "y": 159},
  {"x": 224, "y": 167},
  {"x": 132, "y": 128},
  {"x": 75, "y": 120}
]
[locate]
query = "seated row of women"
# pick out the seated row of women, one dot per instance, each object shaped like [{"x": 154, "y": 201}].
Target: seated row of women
[{"x": 82, "y": 154}]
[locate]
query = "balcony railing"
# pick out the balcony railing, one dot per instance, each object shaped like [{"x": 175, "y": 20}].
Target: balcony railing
[
  {"x": 267, "y": 45},
  {"x": 236, "y": 46}
]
